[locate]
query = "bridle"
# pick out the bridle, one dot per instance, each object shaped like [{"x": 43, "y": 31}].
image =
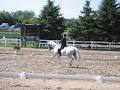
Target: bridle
[{"x": 50, "y": 47}]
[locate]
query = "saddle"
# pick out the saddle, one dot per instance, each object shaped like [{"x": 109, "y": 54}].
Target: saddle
[
  {"x": 59, "y": 51},
  {"x": 62, "y": 47}
]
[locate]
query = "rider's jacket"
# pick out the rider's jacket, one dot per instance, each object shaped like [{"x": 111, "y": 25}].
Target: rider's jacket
[{"x": 63, "y": 43}]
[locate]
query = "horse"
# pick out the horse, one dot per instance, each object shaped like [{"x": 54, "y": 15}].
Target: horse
[{"x": 70, "y": 51}]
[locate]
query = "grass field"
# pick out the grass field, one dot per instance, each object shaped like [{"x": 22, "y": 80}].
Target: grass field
[{"x": 10, "y": 34}]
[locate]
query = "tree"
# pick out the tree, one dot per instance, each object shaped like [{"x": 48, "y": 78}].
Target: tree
[
  {"x": 23, "y": 16},
  {"x": 109, "y": 19},
  {"x": 6, "y": 17},
  {"x": 34, "y": 20},
  {"x": 51, "y": 20},
  {"x": 87, "y": 25},
  {"x": 70, "y": 30}
]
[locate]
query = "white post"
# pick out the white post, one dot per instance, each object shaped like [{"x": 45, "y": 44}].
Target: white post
[
  {"x": 4, "y": 40},
  {"x": 73, "y": 42},
  {"x": 99, "y": 80},
  {"x": 115, "y": 57},
  {"x": 23, "y": 75},
  {"x": 91, "y": 44},
  {"x": 20, "y": 42},
  {"x": 109, "y": 45}
]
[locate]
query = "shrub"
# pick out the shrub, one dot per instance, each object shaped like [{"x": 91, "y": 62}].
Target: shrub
[{"x": 16, "y": 47}]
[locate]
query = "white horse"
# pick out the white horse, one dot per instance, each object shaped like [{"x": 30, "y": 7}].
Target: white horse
[{"x": 70, "y": 51}]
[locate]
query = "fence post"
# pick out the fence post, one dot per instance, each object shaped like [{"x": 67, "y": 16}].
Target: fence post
[
  {"x": 20, "y": 42},
  {"x": 39, "y": 44},
  {"x": 4, "y": 40},
  {"x": 73, "y": 42},
  {"x": 99, "y": 80},
  {"x": 109, "y": 45},
  {"x": 91, "y": 45}
]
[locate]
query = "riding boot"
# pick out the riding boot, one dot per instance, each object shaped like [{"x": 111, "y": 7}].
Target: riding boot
[{"x": 59, "y": 52}]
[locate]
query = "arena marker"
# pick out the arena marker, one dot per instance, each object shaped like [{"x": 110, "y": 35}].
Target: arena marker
[
  {"x": 116, "y": 57},
  {"x": 23, "y": 75},
  {"x": 99, "y": 80}
]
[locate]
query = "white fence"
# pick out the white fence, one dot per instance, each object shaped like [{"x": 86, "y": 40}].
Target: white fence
[
  {"x": 84, "y": 44},
  {"x": 79, "y": 44},
  {"x": 24, "y": 75},
  {"x": 7, "y": 41}
]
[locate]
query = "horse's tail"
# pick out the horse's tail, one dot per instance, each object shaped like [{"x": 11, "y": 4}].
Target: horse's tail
[{"x": 77, "y": 54}]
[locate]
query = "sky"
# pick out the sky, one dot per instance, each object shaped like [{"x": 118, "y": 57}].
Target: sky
[{"x": 69, "y": 8}]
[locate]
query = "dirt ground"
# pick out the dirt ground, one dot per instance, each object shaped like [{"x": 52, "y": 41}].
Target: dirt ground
[
  {"x": 54, "y": 84},
  {"x": 36, "y": 60}
]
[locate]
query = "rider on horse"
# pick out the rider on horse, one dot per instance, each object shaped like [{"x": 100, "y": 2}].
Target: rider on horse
[{"x": 63, "y": 44}]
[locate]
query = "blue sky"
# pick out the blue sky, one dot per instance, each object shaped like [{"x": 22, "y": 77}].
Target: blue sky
[{"x": 69, "y": 8}]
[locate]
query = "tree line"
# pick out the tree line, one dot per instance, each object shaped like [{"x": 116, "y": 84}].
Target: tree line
[{"x": 103, "y": 24}]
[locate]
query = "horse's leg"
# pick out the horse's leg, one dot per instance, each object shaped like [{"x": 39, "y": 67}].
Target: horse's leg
[
  {"x": 71, "y": 62},
  {"x": 51, "y": 58},
  {"x": 75, "y": 57},
  {"x": 59, "y": 59},
  {"x": 71, "y": 58}
]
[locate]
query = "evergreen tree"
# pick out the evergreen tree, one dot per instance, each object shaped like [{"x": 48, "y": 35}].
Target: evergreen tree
[
  {"x": 71, "y": 31},
  {"x": 51, "y": 19},
  {"x": 109, "y": 20},
  {"x": 86, "y": 25}
]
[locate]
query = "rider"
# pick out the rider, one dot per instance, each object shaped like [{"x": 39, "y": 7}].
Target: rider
[{"x": 63, "y": 44}]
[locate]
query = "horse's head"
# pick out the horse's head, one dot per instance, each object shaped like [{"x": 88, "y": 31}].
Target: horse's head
[{"x": 51, "y": 45}]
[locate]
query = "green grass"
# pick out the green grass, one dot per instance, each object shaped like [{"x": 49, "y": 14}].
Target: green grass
[
  {"x": 9, "y": 45},
  {"x": 10, "y": 34},
  {"x": 28, "y": 45}
]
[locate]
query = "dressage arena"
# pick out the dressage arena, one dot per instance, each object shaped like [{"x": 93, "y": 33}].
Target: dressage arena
[{"x": 92, "y": 63}]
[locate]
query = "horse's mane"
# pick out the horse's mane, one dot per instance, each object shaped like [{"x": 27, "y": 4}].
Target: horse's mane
[{"x": 51, "y": 42}]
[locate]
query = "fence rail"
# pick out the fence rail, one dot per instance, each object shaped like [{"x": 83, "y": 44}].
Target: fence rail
[
  {"x": 80, "y": 44},
  {"x": 86, "y": 44},
  {"x": 7, "y": 41},
  {"x": 24, "y": 75}
]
